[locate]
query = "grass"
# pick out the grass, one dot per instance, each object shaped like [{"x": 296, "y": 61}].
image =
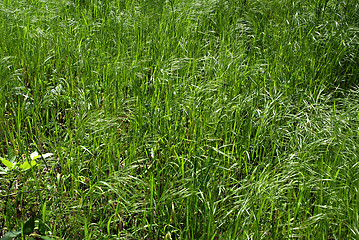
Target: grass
[{"x": 181, "y": 119}]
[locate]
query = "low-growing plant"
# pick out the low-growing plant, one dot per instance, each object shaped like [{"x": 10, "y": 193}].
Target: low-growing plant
[{"x": 20, "y": 168}]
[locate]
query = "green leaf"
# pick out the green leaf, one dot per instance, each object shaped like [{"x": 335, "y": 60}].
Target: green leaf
[
  {"x": 46, "y": 238},
  {"x": 28, "y": 165},
  {"x": 6, "y": 237},
  {"x": 46, "y": 155},
  {"x": 42, "y": 227},
  {"x": 10, "y": 235},
  {"x": 12, "y": 155},
  {"x": 34, "y": 155},
  {"x": 7, "y": 163},
  {"x": 29, "y": 226}
]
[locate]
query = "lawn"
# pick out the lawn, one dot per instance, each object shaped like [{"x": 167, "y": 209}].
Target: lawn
[{"x": 197, "y": 119}]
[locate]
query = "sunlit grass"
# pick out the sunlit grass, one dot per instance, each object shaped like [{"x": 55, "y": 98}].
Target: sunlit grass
[{"x": 181, "y": 119}]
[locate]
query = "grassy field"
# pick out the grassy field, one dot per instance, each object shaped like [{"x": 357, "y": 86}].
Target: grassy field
[{"x": 197, "y": 119}]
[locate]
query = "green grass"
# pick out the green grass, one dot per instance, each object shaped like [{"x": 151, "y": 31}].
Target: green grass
[{"x": 181, "y": 119}]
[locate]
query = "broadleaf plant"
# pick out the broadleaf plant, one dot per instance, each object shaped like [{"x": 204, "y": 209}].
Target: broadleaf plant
[
  {"x": 29, "y": 226},
  {"x": 11, "y": 164}
]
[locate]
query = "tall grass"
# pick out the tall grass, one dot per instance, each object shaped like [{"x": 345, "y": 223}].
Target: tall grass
[{"x": 181, "y": 119}]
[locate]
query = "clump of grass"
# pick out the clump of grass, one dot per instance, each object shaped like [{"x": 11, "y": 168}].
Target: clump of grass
[{"x": 181, "y": 120}]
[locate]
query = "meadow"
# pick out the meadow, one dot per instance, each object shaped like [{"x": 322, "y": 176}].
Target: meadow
[{"x": 172, "y": 119}]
